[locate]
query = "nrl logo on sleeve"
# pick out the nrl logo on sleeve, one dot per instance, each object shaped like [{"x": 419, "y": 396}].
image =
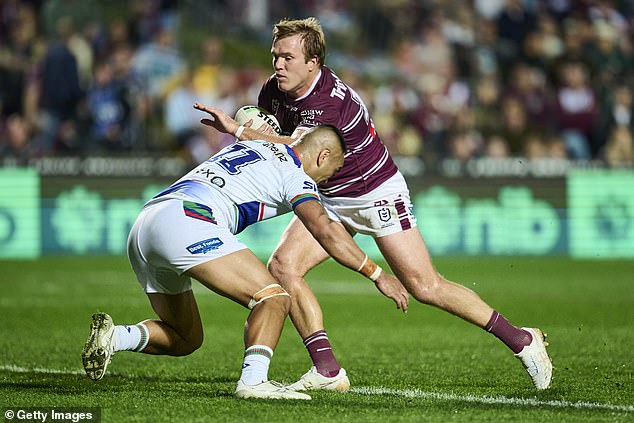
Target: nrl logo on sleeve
[
  {"x": 204, "y": 246},
  {"x": 384, "y": 214}
]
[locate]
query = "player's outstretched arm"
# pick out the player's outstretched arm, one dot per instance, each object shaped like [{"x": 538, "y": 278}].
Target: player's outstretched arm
[
  {"x": 340, "y": 245},
  {"x": 225, "y": 123}
]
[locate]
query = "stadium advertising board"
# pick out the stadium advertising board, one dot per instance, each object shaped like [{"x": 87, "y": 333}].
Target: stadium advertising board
[
  {"x": 588, "y": 214},
  {"x": 19, "y": 213},
  {"x": 601, "y": 213}
]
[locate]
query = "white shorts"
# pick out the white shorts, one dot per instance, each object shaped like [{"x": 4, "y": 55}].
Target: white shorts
[
  {"x": 165, "y": 242},
  {"x": 383, "y": 211}
]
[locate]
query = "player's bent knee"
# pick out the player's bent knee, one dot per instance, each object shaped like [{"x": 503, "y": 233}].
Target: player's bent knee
[
  {"x": 425, "y": 290},
  {"x": 283, "y": 268},
  {"x": 271, "y": 293},
  {"x": 283, "y": 302},
  {"x": 196, "y": 342},
  {"x": 188, "y": 345}
]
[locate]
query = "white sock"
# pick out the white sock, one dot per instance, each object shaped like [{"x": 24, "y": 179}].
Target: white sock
[
  {"x": 131, "y": 338},
  {"x": 255, "y": 369}
]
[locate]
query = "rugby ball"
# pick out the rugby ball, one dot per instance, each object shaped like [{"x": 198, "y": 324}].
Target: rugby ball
[{"x": 261, "y": 120}]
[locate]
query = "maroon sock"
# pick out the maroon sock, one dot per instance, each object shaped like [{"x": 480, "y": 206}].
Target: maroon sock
[
  {"x": 514, "y": 337},
  {"x": 320, "y": 351}
]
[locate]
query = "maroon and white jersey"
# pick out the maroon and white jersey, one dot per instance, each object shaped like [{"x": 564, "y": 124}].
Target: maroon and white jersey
[{"x": 329, "y": 101}]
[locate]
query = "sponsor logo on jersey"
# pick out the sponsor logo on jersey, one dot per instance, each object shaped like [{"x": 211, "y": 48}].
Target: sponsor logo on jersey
[
  {"x": 311, "y": 113},
  {"x": 211, "y": 176},
  {"x": 310, "y": 185},
  {"x": 199, "y": 211},
  {"x": 204, "y": 246},
  {"x": 278, "y": 153}
]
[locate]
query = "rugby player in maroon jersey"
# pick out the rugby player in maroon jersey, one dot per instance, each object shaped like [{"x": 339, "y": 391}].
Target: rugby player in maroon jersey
[{"x": 368, "y": 195}]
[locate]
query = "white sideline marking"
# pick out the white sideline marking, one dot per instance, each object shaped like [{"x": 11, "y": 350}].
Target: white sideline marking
[
  {"x": 417, "y": 393},
  {"x": 408, "y": 393},
  {"x": 17, "y": 369}
]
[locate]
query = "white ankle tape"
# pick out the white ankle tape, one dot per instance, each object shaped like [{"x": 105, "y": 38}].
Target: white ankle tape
[{"x": 265, "y": 293}]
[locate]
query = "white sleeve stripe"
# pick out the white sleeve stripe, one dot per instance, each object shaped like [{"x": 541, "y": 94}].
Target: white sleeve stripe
[
  {"x": 353, "y": 122},
  {"x": 365, "y": 143},
  {"x": 361, "y": 146}
]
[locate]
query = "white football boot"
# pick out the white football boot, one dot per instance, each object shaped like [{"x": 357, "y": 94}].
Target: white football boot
[
  {"x": 268, "y": 390},
  {"x": 535, "y": 359},
  {"x": 99, "y": 347},
  {"x": 313, "y": 380}
]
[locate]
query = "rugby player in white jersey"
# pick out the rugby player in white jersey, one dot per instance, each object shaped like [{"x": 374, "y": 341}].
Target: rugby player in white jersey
[
  {"x": 368, "y": 195},
  {"x": 188, "y": 231}
]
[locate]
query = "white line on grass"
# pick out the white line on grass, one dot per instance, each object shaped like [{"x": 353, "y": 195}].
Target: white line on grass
[
  {"x": 408, "y": 393},
  {"x": 534, "y": 402},
  {"x": 17, "y": 369}
]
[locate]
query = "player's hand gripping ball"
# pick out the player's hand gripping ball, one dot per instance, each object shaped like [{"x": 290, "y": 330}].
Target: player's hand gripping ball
[{"x": 259, "y": 119}]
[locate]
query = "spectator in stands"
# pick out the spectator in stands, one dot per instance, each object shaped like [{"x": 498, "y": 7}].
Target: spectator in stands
[
  {"x": 496, "y": 147},
  {"x": 544, "y": 145},
  {"x": 486, "y": 105},
  {"x": 182, "y": 120},
  {"x": 527, "y": 85},
  {"x": 514, "y": 24},
  {"x": 577, "y": 34},
  {"x": 617, "y": 110},
  {"x": 207, "y": 74},
  {"x": 556, "y": 147},
  {"x": 109, "y": 111},
  {"x": 133, "y": 90},
  {"x": 15, "y": 144},
  {"x": 158, "y": 62},
  {"x": 543, "y": 46},
  {"x": 60, "y": 91},
  {"x": 80, "y": 49},
  {"x": 488, "y": 56},
  {"x": 619, "y": 150},
  {"x": 79, "y": 12},
  {"x": 19, "y": 53},
  {"x": 603, "y": 11},
  {"x": 464, "y": 146},
  {"x": 609, "y": 62},
  {"x": 576, "y": 110},
  {"x": 517, "y": 127}
]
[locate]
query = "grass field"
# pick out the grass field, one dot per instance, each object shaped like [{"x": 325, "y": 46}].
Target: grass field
[{"x": 423, "y": 366}]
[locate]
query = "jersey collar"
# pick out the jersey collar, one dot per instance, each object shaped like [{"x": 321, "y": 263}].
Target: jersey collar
[{"x": 293, "y": 155}]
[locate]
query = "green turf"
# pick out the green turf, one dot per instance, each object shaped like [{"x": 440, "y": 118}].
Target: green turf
[{"x": 449, "y": 367}]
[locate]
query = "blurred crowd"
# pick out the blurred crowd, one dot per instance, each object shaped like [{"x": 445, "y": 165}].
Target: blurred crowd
[{"x": 443, "y": 79}]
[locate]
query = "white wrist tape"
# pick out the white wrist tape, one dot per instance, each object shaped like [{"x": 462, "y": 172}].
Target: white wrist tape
[
  {"x": 375, "y": 275},
  {"x": 365, "y": 260},
  {"x": 239, "y": 131}
]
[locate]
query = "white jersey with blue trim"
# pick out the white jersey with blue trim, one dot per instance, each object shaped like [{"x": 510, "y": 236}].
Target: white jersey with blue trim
[{"x": 244, "y": 183}]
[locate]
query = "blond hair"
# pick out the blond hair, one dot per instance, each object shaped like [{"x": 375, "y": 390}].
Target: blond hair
[{"x": 311, "y": 35}]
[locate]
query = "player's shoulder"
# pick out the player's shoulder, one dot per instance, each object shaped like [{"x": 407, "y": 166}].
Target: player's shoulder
[
  {"x": 327, "y": 80},
  {"x": 329, "y": 88},
  {"x": 277, "y": 152},
  {"x": 270, "y": 85}
]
